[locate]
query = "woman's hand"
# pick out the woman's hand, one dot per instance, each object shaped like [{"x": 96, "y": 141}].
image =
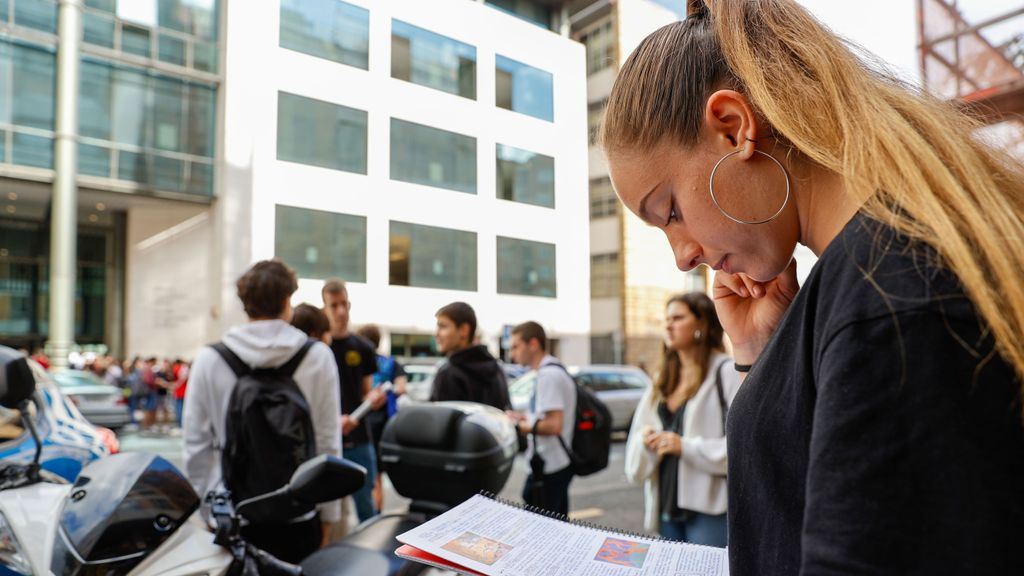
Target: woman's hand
[
  {"x": 666, "y": 443},
  {"x": 750, "y": 311}
]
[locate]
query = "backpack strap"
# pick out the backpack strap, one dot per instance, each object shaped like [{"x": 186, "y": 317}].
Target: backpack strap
[
  {"x": 721, "y": 393},
  {"x": 237, "y": 366},
  {"x": 289, "y": 367}
]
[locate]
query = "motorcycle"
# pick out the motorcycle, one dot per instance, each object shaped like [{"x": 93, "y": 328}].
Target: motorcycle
[{"x": 135, "y": 514}]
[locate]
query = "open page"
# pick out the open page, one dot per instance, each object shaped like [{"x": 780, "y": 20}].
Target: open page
[{"x": 495, "y": 538}]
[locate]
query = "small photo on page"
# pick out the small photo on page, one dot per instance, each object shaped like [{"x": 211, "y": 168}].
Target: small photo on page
[
  {"x": 478, "y": 548},
  {"x": 623, "y": 552}
]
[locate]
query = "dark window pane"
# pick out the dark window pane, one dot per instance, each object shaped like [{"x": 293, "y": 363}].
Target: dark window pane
[
  {"x": 433, "y": 60},
  {"x": 93, "y": 160},
  {"x": 107, "y": 5},
  {"x": 321, "y": 134},
  {"x": 31, "y": 150},
  {"x": 135, "y": 40},
  {"x": 3, "y": 146},
  {"x": 168, "y": 116},
  {"x": 132, "y": 100},
  {"x": 38, "y": 14},
  {"x": 133, "y": 167},
  {"x": 603, "y": 201},
  {"x": 198, "y": 18},
  {"x": 202, "y": 106},
  {"x": 527, "y": 10},
  {"x": 34, "y": 88},
  {"x": 95, "y": 98},
  {"x": 600, "y": 45},
  {"x": 6, "y": 65},
  {"x": 320, "y": 244},
  {"x": 171, "y": 49},
  {"x": 328, "y": 29},
  {"x": 4, "y": 10},
  {"x": 431, "y": 257},
  {"x": 526, "y": 267},
  {"x": 524, "y": 89},
  {"x": 526, "y": 177},
  {"x": 204, "y": 57},
  {"x": 90, "y": 302},
  {"x": 98, "y": 29},
  {"x": 433, "y": 157},
  {"x": 200, "y": 179},
  {"x": 605, "y": 276},
  {"x": 168, "y": 173}
]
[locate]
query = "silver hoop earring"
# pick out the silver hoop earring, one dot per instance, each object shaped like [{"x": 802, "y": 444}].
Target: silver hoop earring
[
  {"x": 697, "y": 334},
  {"x": 711, "y": 188}
]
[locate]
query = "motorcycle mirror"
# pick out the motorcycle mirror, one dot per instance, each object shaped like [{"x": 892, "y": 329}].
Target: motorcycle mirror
[
  {"x": 325, "y": 478},
  {"x": 16, "y": 381}
]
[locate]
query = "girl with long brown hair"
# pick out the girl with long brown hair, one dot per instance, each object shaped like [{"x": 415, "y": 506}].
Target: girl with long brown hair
[
  {"x": 676, "y": 444},
  {"x": 880, "y": 427}
]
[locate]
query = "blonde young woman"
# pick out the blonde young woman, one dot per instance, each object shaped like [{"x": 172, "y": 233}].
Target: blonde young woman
[
  {"x": 676, "y": 443},
  {"x": 879, "y": 429}
]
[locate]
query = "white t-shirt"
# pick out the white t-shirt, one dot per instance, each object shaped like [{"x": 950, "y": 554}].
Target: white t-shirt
[{"x": 555, "y": 390}]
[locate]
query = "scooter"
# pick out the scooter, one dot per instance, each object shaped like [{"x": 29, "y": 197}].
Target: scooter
[{"x": 135, "y": 514}]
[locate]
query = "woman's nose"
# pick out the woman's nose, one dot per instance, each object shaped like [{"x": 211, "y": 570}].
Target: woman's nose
[
  {"x": 687, "y": 251},
  {"x": 688, "y": 256}
]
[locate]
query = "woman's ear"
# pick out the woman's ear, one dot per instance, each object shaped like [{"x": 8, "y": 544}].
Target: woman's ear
[{"x": 730, "y": 123}]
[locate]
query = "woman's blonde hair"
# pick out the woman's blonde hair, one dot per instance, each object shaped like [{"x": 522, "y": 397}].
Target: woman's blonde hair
[
  {"x": 912, "y": 155},
  {"x": 711, "y": 340}
]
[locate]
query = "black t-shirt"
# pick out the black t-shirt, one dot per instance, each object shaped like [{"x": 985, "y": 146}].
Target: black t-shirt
[
  {"x": 866, "y": 439},
  {"x": 668, "y": 467},
  {"x": 356, "y": 358}
]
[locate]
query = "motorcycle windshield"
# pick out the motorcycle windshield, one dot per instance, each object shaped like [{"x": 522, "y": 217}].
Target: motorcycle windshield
[{"x": 122, "y": 508}]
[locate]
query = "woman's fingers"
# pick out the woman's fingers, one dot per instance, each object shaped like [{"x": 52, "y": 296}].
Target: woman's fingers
[
  {"x": 728, "y": 284},
  {"x": 740, "y": 284}
]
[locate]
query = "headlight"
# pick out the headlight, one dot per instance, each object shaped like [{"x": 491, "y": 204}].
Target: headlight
[{"x": 11, "y": 556}]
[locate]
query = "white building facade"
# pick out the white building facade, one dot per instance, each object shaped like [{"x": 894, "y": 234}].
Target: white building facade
[{"x": 425, "y": 152}]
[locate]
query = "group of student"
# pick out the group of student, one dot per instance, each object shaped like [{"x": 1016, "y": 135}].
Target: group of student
[{"x": 337, "y": 372}]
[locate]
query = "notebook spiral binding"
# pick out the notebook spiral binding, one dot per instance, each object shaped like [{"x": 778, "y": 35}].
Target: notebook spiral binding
[{"x": 564, "y": 518}]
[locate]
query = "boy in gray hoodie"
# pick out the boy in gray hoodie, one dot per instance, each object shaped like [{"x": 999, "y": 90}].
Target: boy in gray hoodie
[{"x": 266, "y": 341}]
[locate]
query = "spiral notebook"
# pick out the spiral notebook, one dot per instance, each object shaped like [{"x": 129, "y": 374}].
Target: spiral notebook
[{"x": 489, "y": 536}]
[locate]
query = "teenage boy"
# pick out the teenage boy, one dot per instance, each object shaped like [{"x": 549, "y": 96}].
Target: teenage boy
[
  {"x": 469, "y": 372},
  {"x": 267, "y": 340},
  {"x": 357, "y": 363},
  {"x": 551, "y": 412}
]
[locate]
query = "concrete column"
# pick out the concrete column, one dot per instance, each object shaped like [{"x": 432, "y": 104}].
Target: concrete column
[{"x": 64, "y": 214}]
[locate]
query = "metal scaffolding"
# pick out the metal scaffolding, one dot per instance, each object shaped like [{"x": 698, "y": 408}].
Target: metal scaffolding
[{"x": 979, "y": 64}]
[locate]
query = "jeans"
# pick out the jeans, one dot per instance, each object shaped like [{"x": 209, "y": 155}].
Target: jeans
[
  {"x": 697, "y": 529},
  {"x": 554, "y": 495},
  {"x": 363, "y": 455}
]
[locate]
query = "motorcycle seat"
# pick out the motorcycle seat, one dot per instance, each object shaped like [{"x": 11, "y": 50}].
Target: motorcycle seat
[{"x": 371, "y": 546}]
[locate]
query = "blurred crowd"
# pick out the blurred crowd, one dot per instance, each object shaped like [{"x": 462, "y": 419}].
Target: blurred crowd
[{"x": 153, "y": 388}]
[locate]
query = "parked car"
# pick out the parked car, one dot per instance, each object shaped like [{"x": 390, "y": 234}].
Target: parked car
[
  {"x": 69, "y": 442},
  {"x": 619, "y": 387},
  {"x": 420, "y": 379},
  {"x": 100, "y": 403}
]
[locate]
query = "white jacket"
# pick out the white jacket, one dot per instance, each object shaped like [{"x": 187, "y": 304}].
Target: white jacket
[
  {"x": 703, "y": 465},
  {"x": 260, "y": 344}
]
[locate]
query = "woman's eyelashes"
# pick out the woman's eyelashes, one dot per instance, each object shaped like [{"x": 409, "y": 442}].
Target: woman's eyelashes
[{"x": 673, "y": 214}]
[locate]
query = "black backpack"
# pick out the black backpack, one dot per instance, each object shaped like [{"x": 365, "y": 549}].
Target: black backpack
[
  {"x": 269, "y": 433},
  {"x": 592, "y": 431}
]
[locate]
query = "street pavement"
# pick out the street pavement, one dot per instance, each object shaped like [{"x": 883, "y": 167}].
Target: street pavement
[{"x": 604, "y": 498}]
